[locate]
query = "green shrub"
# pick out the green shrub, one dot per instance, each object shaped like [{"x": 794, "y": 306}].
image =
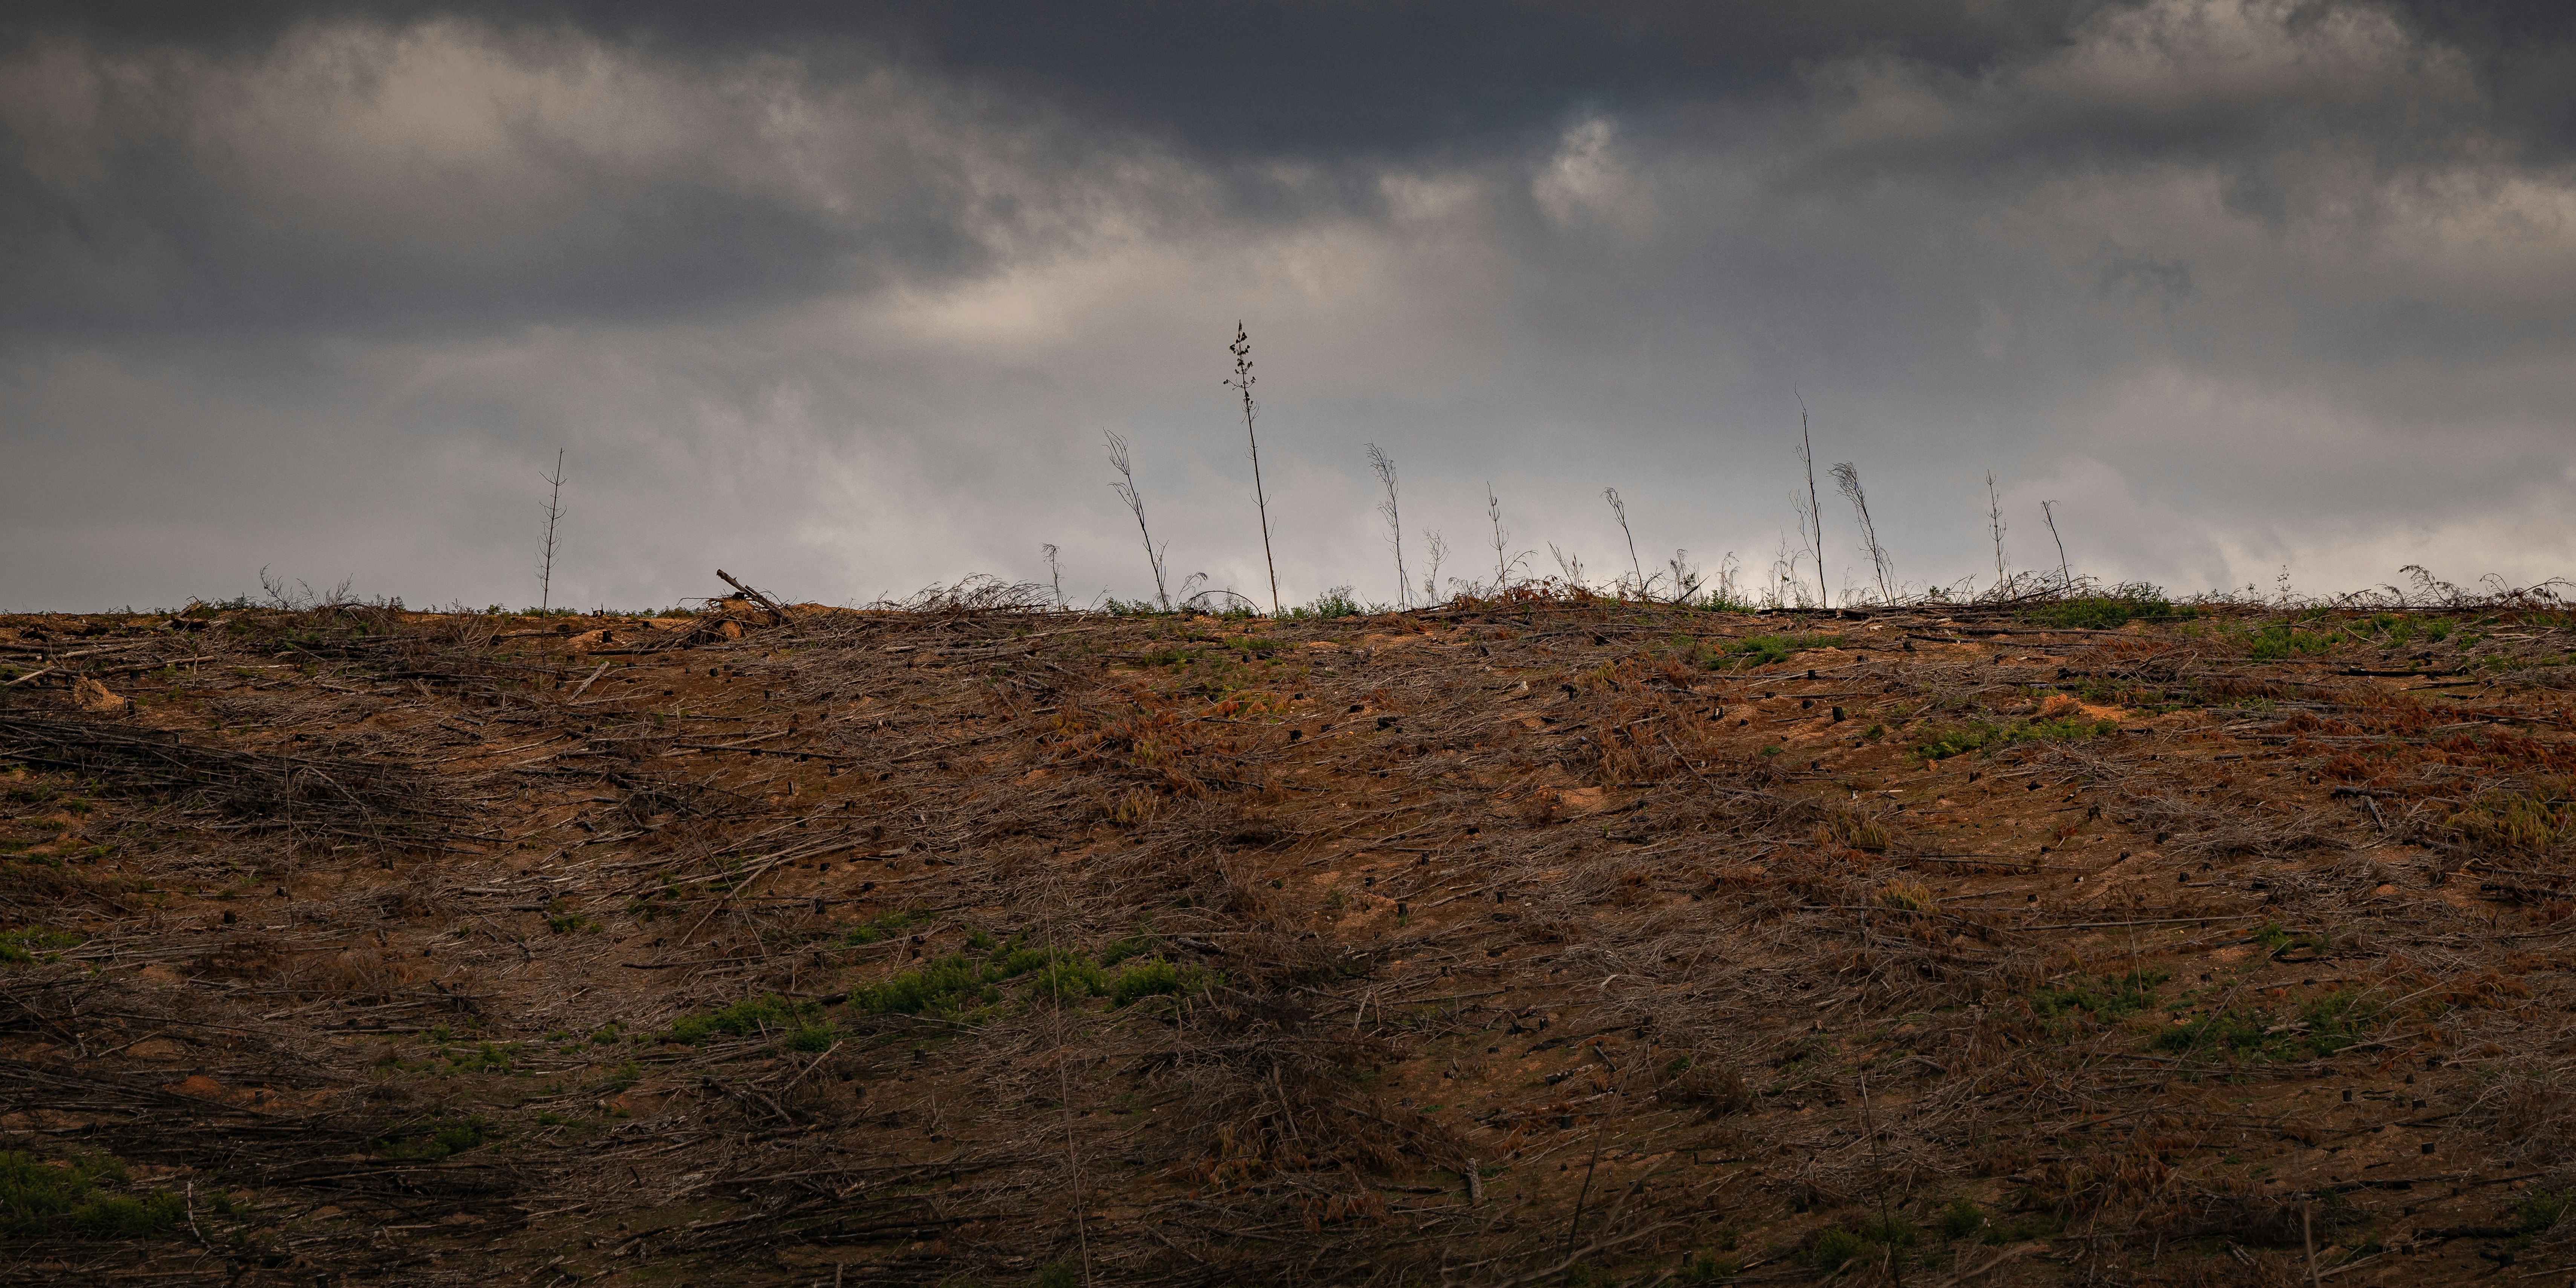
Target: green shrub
[
  {"x": 123, "y": 1216},
  {"x": 884, "y": 926},
  {"x": 2106, "y": 612},
  {"x": 1765, "y": 650},
  {"x": 1980, "y": 735},
  {"x": 2235, "y": 1029},
  {"x": 2281, "y": 640},
  {"x": 750, "y": 1017},
  {"x": 2325, "y": 1026},
  {"x": 33, "y": 944},
  {"x": 2542, "y": 1212},
  {"x": 1961, "y": 1219},
  {"x": 1070, "y": 978},
  {"x": 2338, "y": 1020},
  {"x": 1836, "y": 1247},
  {"x": 1132, "y": 946},
  {"x": 38, "y": 1197},
  {"x": 1336, "y": 602},
  {"x": 2105, "y": 999},
  {"x": 945, "y": 983},
  {"x": 1156, "y": 978}
]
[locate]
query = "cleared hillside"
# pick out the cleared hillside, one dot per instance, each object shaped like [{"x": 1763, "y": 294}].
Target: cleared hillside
[{"x": 1505, "y": 943}]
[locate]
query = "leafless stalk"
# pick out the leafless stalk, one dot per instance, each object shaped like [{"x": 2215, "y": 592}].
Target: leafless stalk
[
  {"x": 1995, "y": 522},
  {"x": 1785, "y": 587},
  {"x": 1685, "y": 575},
  {"x": 554, "y": 512},
  {"x": 1242, "y": 384},
  {"x": 2048, "y": 509},
  {"x": 1847, "y": 479},
  {"x": 1726, "y": 579},
  {"x": 1878, "y": 1163},
  {"x": 1439, "y": 550},
  {"x": 1494, "y": 512},
  {"x": 1384, "y": 466},
  {"x": 1620, "y": 508},
  {"x": 1126, "y": 490},
  {"x": 1055, "y": 573},
  {"x": 1570, "y": 566},
  {"x": 303, "y": 598},
  {"x": 1811, "y": 522},
  {"x": 2435, "y": 590}
]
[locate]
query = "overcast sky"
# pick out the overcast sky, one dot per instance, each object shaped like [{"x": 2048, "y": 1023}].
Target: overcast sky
[{"x": 842, "y": 298}]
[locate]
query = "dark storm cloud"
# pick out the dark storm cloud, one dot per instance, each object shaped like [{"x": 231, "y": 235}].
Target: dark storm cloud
[
  {"x": 1282, "y": 76},
  {"x": 159, "y": 224},
  {"x": 852, "y": 289}
]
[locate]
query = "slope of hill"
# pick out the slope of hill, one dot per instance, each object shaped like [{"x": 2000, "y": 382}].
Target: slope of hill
[{"x": 1507, "y": 943}]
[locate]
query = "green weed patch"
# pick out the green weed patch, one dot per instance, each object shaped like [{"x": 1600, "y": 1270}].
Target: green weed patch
[
  {"x": 2106, "y": 999},
  {"x": 1986, "y": 736},
  {"x": 2107, "y": 612},
  {"x": 2282, "y": 640},
  {"x": 2323, "y": 1027},
  {"x": 40, "y": 1197},
  {"x": 34, "y": 944},
  {"x": 1766, "y": 650},
  {"x": 882, "y": 927},
  {"x": 955, "y": 981},
  {"x": 799, "y": 1023}
]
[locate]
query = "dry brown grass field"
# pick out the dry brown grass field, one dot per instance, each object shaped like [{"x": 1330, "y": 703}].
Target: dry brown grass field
[{"x": 1513, "y": 942}]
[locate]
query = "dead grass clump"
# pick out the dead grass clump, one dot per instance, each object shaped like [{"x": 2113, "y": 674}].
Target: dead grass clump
[
  {"x": 358, "y": 974},
  {"x": 37, "y": 887},
  {"x": 1266, "y": 1092},
  {"x": 1856, "y": 829},
  {"x": 242, "y": 955},
  {"x": 2532, "y": 1117},
  {"x": 294, "y": 791},
  {"x": 982, "y": 595},
  {"x": 1716, "y": 1089},
  {"x": 2225, "y": 824},
  {"x": 2236, "y": 1210}
]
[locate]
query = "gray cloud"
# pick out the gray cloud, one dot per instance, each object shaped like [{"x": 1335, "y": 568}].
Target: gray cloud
[{"x": 849, "y": 300}]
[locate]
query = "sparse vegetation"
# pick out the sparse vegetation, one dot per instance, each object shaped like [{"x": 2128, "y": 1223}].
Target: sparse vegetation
[
  {"x": 2108, "y": 612},
  {"x": 76, "y": 1196},
  {"x": 1769, "y": 650},
  {"x": 1986, "y": 736}
]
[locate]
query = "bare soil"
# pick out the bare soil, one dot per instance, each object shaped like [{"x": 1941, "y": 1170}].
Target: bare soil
[{"x": 1527, "y": 942}]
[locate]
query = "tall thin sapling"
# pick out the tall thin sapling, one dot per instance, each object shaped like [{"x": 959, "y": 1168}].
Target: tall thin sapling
[
  {"x": 1384, "y": 466},
  {"x": 1242, "y": 383},
  {"x": 554, "y": 515}
]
